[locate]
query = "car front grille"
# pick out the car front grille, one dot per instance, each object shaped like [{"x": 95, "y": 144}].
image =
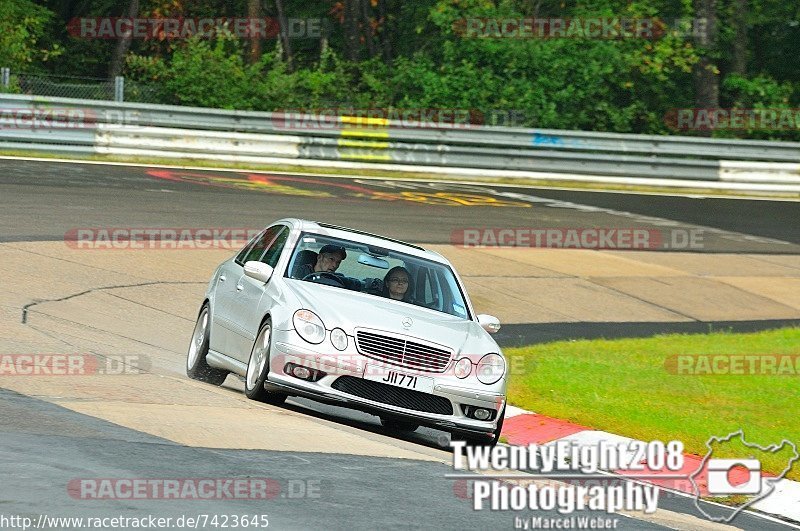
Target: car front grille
[
  {"x": 393, "y": 396},
  {"x": 402, "y": 352}
]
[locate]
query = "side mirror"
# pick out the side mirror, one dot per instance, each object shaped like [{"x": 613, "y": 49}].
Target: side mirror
[
  {"x": 258, "y": 270},
  {"x": 490, "y": 323}
]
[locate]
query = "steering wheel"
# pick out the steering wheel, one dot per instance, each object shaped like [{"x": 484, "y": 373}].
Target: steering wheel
[{"x": 319, "y": 275}]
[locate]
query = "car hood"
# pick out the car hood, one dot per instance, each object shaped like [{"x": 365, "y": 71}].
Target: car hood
[{"x": 349, "y": 310}]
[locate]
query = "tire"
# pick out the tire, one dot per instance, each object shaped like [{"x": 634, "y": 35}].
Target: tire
[
  {"x": 258, "y": 368},
  {"x": 401, "y": 426},
  {"x": 485, "y": 441},
  {"x": 197, "y": 367}
]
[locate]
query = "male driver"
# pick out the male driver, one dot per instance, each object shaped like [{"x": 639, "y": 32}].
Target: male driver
[{"x": 328, "y": 260}]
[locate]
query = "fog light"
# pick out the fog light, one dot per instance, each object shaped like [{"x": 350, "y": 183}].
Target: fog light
[
  {"x": 478, "y": 413},
  {"x": 482, "y": 414},
  {"x": 301, "y": 372},
  {"x": 304, "y": 373}
]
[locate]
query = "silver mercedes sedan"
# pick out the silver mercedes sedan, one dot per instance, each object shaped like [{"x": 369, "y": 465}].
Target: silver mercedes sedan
[{"x": 355, "y": 320}]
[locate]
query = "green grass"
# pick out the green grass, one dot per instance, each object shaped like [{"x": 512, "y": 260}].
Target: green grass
[{"x": 623, "y": 387}]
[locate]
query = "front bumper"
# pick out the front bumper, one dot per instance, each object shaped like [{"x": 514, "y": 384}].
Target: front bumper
[{"x": 288, "y": 347}]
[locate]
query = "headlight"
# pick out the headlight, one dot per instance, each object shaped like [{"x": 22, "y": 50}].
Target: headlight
[
  {"x": 309, "y": 326},
  {"x": 462, "y": 368},
  {"x": 491, "y": 368},
  {"x": 339, "y": 339}
]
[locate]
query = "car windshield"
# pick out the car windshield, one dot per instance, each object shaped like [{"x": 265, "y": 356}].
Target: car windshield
[{"x": 377, "y": 271}]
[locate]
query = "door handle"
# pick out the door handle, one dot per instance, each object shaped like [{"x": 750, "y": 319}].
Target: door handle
[
  {"x": 222, "y": 278},
  {"x": 239, "y": 287}
]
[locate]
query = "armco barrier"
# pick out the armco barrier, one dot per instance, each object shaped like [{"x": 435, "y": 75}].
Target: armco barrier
[{"x": 163, "y": 131}]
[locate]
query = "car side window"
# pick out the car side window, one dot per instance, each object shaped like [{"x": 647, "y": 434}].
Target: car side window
[
  {"x": 246, "y": 249},
  {"x": 274, "y": 252},
  {"x": 256, "y": 250}
]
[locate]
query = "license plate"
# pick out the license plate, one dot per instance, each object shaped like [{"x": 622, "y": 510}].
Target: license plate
[{"x": 398, "y": 379}]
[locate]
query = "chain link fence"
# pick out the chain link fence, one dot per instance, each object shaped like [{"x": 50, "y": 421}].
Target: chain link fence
[{"x": 86, "y": 88}]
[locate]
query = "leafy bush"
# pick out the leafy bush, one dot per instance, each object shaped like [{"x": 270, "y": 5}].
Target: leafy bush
[
  {"x": 762, "y": 92},
  {"x": 22, "y": 25},
  {"x": 213, "y": 74},
  {"x": 575, "y": 83}
]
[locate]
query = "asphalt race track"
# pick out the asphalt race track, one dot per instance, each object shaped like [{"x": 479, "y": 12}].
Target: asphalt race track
[
  {"x": 53, "y": 198},
  {"x": 327, "y": 468}
]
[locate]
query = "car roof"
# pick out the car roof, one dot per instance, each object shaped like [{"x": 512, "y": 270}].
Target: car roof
[{"x": 367, "y": 238}]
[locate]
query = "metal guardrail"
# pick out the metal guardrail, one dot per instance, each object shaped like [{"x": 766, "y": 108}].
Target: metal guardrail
[{"x": 165, "y": 131}]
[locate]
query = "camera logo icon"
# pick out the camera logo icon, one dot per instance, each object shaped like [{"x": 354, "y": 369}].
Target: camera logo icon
[
  {"x": 739, "y": 477},
  {"x": 725, "y": 477}
]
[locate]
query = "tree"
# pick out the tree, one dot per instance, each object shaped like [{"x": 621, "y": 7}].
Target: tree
[
  {"x": 739, "y": 49},
  {"x": 352, "y": 35},
  {"x": 124, "y": 43},
  {"x": 385, "y": 33},
  {"x": 254, "y": 12},
  {"x": 706, "y": 74},
  {"x": 369, "y": 27},
  {"x": 283, "y": 25}
]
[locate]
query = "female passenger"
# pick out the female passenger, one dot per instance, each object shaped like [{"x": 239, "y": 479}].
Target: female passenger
[{"x": 395, "y": 284}]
